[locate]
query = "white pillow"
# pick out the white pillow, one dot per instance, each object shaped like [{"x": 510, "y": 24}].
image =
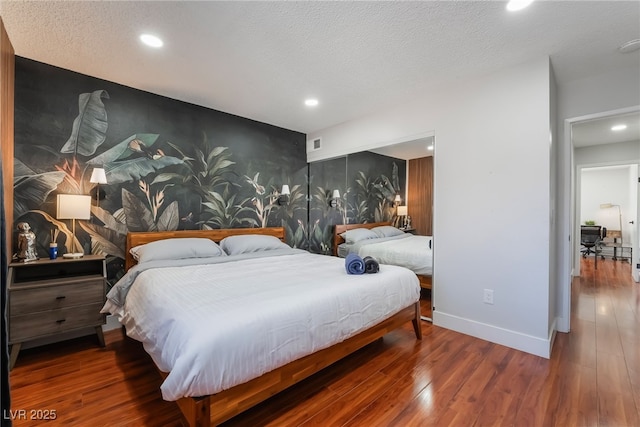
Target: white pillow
[
  {"x": 178, "y": 248},
  {"x": 387, "y": 231},
  {"x": 245, "y": 243},
  {"x": 358, "y": 234}
]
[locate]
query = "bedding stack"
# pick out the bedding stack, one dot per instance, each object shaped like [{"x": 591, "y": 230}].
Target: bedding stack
[
  {"x": 354, "y": 264},
  {"x": 371, "y": 265}
]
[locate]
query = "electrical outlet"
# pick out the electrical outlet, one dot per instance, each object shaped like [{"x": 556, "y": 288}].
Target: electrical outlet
[{"x": 488, "y": 296}]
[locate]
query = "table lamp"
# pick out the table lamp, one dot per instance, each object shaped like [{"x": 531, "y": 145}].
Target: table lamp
[{"x": 73, "y": 206}]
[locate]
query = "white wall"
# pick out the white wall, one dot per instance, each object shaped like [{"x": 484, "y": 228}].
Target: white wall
[
  {"x": 491, "y": 197},
  {"x": 553, "y": 199},
  {"x": 623, "y": 152},
  {"x": 634, "y": 190},
  {"x": 579, "y": 98}
]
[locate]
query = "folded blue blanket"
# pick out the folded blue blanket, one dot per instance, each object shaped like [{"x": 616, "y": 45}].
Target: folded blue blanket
[
  {"x": 354, "y": 264},
  {"x": 370, "y": 265}
]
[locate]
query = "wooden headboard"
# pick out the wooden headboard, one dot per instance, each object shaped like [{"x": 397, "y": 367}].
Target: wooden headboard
[
  {"x": 141, "y": 238},
  {"x": 341, "y": 228}
]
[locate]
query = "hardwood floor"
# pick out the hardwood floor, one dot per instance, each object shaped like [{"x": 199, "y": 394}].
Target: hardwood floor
[{"x": 592, "y": 379}]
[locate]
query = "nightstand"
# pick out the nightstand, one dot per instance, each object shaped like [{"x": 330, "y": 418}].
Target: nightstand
[{"x": 50, "y": 297}]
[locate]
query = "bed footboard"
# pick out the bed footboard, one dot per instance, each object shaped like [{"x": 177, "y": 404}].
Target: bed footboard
[{"x": 215, "y": 409}]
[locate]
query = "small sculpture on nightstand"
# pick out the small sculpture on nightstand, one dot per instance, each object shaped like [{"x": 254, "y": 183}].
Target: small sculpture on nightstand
[
  {"x": 408, "y": 225},
  {"x": 26, "y": 243}
]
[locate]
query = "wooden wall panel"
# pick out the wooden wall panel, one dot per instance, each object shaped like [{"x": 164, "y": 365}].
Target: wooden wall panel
[
  {"x": 7, "y": 79},
  {"x": 420, "y": 195}
]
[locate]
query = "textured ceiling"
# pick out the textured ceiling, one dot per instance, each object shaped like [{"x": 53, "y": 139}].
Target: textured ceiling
[{"x": 262, "y": 59}]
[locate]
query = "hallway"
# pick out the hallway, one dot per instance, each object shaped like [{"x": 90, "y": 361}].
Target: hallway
[{"x": 604, "y": 344}]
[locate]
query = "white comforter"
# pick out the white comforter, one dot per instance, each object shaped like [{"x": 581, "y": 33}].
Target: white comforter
[
  {"x": 412, "y": 252},
  {"x": 215, "y": 326}
]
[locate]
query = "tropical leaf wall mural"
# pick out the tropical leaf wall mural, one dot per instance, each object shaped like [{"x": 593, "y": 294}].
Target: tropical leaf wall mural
[
  {"x": 169, "y": 165},
  {"x": 368, "y": 183},
  {"x": 172, "y": 165}
]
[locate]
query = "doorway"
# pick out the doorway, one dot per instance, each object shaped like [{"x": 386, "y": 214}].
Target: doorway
[
  {"x": 607, "y": 198},
  {"x": 606, "y": 159},
  {"x": 569, "y": 249}
]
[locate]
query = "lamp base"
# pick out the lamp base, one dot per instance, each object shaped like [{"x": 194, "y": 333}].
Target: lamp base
[{"x": 73, "y": 255}]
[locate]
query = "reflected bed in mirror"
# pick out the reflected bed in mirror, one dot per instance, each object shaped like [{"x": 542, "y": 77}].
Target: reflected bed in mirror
[{"x": 396, "y": 248}]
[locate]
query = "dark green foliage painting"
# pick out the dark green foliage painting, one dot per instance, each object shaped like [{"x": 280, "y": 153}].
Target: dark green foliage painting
[
  {"x": 325, "y": 177},
  {"x": 374, "y": 180},
  {"x": 368, "y": 184},
  {"x": 170, "y": 165}
]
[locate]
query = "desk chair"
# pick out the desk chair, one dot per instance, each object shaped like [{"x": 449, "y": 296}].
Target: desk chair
[{"x": 590, "y": 239}]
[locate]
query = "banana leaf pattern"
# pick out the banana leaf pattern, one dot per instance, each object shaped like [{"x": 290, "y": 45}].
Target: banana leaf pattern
[
  {"x": 157, "y": 178},
  {"x": 171, "y": 166},
  {"x": 366, "y": 195}
]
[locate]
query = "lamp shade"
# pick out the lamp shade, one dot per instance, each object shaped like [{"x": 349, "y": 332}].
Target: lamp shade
[
  {"x": 397, "y": 199},
  {"x": 74, "y": 206},
  {"x": 402, "y": 211},
  {"x": 98, "y": 176},
  {"x": 336, "y": 194},
  {"x": 285, "y": 190}
]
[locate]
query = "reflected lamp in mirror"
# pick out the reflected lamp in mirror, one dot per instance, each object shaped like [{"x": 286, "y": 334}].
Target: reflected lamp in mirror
[
  {"x": 335, "y": 196},
  {"x": 73, "y": 206},
  {"x": 98, "y": 176},
  {"x": 402, "y": 213},
  {"x": 283, "y": 198}
]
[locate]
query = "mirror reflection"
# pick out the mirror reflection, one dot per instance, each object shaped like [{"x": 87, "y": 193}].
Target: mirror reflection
[{"x": 377, "y": 203}]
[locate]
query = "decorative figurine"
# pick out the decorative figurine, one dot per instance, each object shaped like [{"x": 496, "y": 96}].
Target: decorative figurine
[{"x": 26, "y": 243}]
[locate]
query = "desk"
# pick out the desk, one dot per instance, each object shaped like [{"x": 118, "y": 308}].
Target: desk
[{"x": 619, "y": 246}]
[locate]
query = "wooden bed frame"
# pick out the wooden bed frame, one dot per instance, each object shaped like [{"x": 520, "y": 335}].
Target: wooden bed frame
[
  {"x": 426, "y": 281},
  {"x": 216, "y": 408}
]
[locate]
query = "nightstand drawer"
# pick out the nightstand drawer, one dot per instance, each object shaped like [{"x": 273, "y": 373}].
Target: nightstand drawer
[
  {"x": 33, "y": 300},
  {"x": 50, "y": 296},
  {"x": 30, "y": 326}
]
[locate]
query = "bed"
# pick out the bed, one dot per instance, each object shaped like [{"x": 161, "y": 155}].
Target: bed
[
  {"x": 261, "y": 339},
  {"x": 404, "y": 249}
]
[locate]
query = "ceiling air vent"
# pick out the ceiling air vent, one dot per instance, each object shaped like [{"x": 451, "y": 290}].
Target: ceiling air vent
[{"x": 316, "y": 144}]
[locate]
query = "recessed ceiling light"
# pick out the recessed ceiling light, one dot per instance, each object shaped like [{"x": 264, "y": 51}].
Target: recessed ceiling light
[
  {"x": 630, "y": 46},
  {"x": 311, "y": 102},
  {"x": 430, "y": 147},
  {"x": 151, "y": 40},
  {"x": 618, "y": 127},
  {"x": 515, "y": 5}
]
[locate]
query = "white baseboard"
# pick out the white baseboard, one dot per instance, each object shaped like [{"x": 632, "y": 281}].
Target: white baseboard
[
  {"x": 562, "y": 324},
  {"x": 552, "y": 335},
  {"x": 112, "y": 323},
  {"x": 519, "y": 341}
]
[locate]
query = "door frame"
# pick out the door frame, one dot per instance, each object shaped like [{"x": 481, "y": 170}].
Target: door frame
[{"x": 564, "y": 318}]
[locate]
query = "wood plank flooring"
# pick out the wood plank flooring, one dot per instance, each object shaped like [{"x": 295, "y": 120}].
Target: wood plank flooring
[{"x": 447, "y": 379}]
